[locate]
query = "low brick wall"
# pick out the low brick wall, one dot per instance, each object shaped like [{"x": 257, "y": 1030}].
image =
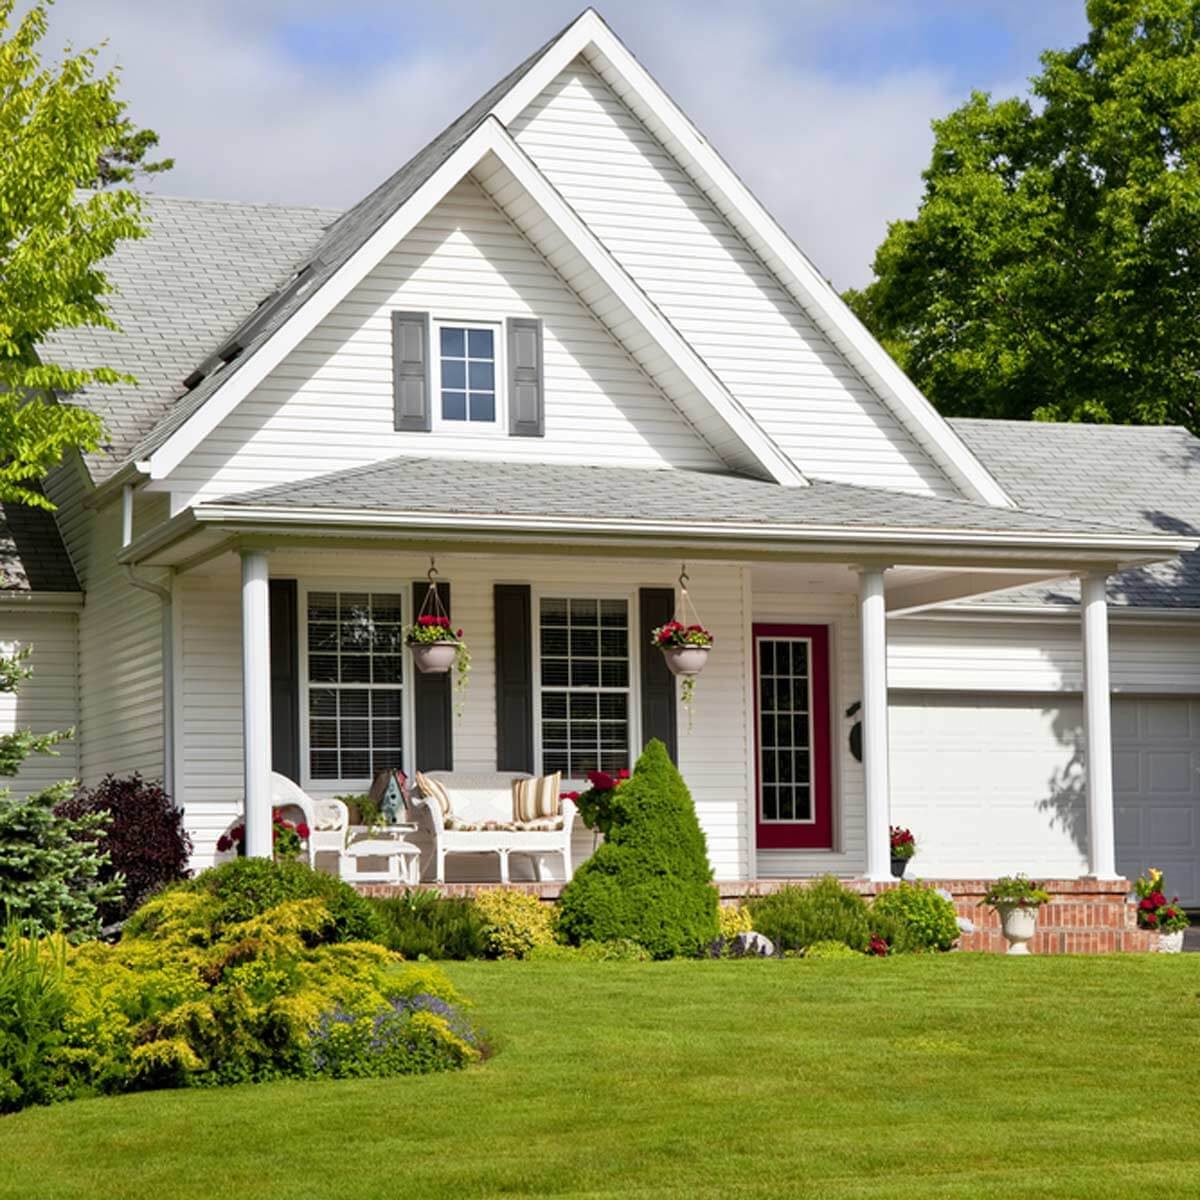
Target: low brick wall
[{"x": 1086, "y": 916}]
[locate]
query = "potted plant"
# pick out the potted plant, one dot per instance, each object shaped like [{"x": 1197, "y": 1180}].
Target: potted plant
[
  {"x": 904, "y": 846},
  {"x": 686, "y": 649},
  {"x": 1157, "y": 914},
  {"x": 288, "y": 838},
  {"x": 436, "y": 647},
  {"x": 1017, "y": 900}
]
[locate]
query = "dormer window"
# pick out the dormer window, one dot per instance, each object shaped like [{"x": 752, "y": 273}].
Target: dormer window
[{"x": 469, "y": 372}]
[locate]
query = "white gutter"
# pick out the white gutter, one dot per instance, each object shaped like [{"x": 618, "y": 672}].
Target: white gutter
[{"x": 48, "y": 601}]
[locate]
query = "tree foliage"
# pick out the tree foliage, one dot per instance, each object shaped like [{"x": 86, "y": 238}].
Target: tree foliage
[
  {"x": 1053, "y": 268},
  {"x": 66, "y": 138}
]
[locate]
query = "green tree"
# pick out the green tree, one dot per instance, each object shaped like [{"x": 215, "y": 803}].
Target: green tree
[
  {"x": 67, "y": 140},
  {"x": 1053, "y": 268}
]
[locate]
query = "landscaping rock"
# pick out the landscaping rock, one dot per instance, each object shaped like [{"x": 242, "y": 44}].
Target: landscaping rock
[
  {"x": 751, "y": 945},
  {"x": 965, "y": 925}
]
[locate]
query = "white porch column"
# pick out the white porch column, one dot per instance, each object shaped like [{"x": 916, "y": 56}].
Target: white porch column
[
  {"x": 1102, "y": 857},
  {"x": 256, "y": 701},
  {"x": 873, "y": 621}
]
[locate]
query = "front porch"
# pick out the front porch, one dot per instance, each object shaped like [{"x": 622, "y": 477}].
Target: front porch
[{"x": 262, "y": 662}]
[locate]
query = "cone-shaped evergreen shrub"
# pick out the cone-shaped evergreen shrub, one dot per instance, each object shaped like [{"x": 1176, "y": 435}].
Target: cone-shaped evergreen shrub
[{"x": 649, "y": 881}]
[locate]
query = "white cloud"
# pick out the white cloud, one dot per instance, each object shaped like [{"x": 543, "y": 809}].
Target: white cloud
[{"x": 833, "y": 158}]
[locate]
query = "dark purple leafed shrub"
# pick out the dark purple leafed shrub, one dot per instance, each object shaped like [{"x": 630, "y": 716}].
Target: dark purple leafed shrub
[{"x": 145, "y": 840}]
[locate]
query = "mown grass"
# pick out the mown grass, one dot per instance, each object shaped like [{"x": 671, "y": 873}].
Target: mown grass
[{"x": 960, "y": 1076}]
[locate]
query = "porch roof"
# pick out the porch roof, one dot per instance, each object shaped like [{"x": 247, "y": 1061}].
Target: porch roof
[{"x": 486, "y": 492}]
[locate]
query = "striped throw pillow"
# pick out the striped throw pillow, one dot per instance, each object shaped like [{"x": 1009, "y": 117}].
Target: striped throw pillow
[
  {"x": 434, "y": 790},
  {"x": 534, "y": 799}
]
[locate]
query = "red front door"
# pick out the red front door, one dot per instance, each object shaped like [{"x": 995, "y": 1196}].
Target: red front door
[{"x": 794, "y": 773}]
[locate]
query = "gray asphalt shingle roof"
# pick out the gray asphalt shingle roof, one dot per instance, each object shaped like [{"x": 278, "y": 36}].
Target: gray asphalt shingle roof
[
  {"x": 179, "y": 293},
  {"x": 485, "y": 487},
  {"x": 1133, "y": 476},
  {"x": 32, "y": 555}
]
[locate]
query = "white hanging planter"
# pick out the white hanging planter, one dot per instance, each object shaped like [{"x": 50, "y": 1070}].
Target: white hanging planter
[
  {"x": 687, "y": 661},
  {"x": 434, "y": 658}
]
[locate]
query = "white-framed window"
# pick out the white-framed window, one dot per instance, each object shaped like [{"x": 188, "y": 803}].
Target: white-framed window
[
  {"x": 585, "y": 677},
  {"x": 353, "y": 665},
  {"x": 469, "y": 396}
]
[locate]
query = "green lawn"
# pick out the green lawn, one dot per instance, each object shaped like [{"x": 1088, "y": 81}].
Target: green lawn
[{"x": 961, "y": 1076}]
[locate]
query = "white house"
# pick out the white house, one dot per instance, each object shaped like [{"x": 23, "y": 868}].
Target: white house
[{"x": 563, "y": 351}]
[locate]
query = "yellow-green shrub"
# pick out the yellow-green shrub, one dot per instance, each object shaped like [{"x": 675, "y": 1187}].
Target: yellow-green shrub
[
  {"x": 734, "y": 919},
  {"x": 514, "y": 922}
]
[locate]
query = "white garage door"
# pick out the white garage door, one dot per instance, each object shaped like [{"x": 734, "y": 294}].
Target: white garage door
[{"x": 992, "y": 784}]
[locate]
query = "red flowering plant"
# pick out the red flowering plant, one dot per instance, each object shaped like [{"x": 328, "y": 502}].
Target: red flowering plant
[
  {"x": 287, "y": 837},
  {"x": 1154, "y": 911},
  {"x": 676, "y": 633},
  {"x": 429, "y": 629},
  {"x": 594, "y": 803},
  {"x": 904, "y": 845},
  {"x": 879, "y": 946}
]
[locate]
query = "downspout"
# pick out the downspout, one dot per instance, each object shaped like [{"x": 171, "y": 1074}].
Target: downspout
[{"x": 168, "y": 640}]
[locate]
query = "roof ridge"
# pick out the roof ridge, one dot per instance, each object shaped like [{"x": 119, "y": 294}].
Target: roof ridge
[{"x": 1009, "y": 422}]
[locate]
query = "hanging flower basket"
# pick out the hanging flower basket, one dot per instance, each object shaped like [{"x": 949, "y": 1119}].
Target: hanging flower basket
[
  {"x": 435, "y": 645},
  {"x": 685, "y": 646}
]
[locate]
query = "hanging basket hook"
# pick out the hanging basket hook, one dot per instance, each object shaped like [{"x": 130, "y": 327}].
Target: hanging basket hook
[
  {"x": 683, "y": 576},
  {"x": 432, "y": 573}
]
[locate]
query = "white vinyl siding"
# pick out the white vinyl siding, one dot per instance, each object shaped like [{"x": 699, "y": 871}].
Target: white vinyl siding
[
  {"x": 687, "y": 258},
  {"x": 329, "y": 404},
  {"x": 47, "y": 700},
  {"x": 713, "y": 757}
]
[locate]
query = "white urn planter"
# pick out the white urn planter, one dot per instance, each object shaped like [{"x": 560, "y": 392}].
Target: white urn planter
[
  {"x": 1168, "y": 943},
  {"x": 1018, "y": 923},
  {"x": 687, "y": 661},
  {"x": 434, "y": 658}
]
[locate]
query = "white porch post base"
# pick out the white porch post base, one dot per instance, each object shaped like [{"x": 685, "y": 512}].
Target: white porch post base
[
  {"x": 256, "y": 702},
  {"x": 873, "y": 619},
  {"x": 1102, "y": 857}
]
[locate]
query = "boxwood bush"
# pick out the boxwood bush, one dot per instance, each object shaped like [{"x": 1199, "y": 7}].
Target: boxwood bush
[
  {"x": 423, "y": 923},
  {"x": 798, "y": 916},
  {"x": 649, "y": 882},
  {"x": 927, "y": 921}
]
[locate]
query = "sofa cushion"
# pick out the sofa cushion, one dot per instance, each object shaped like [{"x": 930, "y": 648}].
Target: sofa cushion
[
  {"x": 434, "y": 790},
  {"x": 536, "y": 799}
]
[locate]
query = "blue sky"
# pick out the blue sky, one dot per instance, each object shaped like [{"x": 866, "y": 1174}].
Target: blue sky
[{"x": 823, "y": 106}]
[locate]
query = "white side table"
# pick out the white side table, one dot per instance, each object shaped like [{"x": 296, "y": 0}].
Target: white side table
[{"x": 402, "y": 860}]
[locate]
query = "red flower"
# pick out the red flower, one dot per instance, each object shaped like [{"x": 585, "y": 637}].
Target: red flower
[
  {"x": 458, "y": 633},
  {"x": 1157, "y": 899},
  {"x": 569, "y": 796},
  {"x": 601, "y": 781},
  {"x": 1147, "y": 905},
  {"x": 623, "y": 773},
  {"x": 1151, "y": 918},
  {"x": 426, "y": 620},
  {"x": 879, "y": 947},
  {"x": 302, "y": 830}
]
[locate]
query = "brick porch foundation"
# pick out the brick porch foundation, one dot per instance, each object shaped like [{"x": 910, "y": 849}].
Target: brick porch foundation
[{"x": 1085, "y": 917}]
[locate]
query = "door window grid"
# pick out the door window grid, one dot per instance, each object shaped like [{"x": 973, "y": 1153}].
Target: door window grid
[
  {"x": 468, "y": 373},
  {"x": 355, "y": 681},
  {"x": 785, "y": 733},
  {"x": 584, "y": 678}
]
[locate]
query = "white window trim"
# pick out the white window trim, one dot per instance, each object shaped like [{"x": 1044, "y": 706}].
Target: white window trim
[
  {"x": 758, "y": 799},
  {"x": 407, "y": 724},
  {"x": 537, "y": 594},
  {"x": 485, "y": 429}
]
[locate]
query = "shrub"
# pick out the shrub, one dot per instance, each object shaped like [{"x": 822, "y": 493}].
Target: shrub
[
  {"x": 830, "y": 950},
  {"x": 33, "y": 1005},
  {"x": 649, "y": 882},
  {"x": 796, "y": 917},
  {"x": 514, "y": 922},
  {"x": 423, "y": 923},
  {"x": 929, "y": 920},
  {"x": 248, "y": 887},
  {"x": 194, "y": 1001},
  {"x": 733, "y": 919},
  {"x": 144, "y": 838},
  {"x": 51, "y": 867},
  {"x": 619, "y": 951}
]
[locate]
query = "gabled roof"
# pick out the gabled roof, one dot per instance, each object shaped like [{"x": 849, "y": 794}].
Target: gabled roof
[
  {"x": 179, "y": 292},
  {"x": 232, "y": 363},
  {"x": 1136, "y": 476},
  {"x": 32, "y": 555}
]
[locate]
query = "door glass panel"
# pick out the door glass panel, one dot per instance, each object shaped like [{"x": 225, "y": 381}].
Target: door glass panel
[{"x": 785, "y": 730}]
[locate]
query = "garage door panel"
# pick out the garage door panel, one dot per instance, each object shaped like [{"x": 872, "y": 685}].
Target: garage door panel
[{"x": 994, "y": 783}]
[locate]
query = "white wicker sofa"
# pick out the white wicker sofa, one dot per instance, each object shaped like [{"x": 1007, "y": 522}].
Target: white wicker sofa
[{"x": 481, "y": 822}]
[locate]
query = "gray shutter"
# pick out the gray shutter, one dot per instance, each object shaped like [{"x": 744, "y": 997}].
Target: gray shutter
[
  {"x": 410, "y": 372},
  {"x": 656, "y": 606},
  {"x": 514, "y": 678},
  {"x": 432, "y": 706},
  {"x": 285, "y": 678},
  {"x": 526, "y": 406}
]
